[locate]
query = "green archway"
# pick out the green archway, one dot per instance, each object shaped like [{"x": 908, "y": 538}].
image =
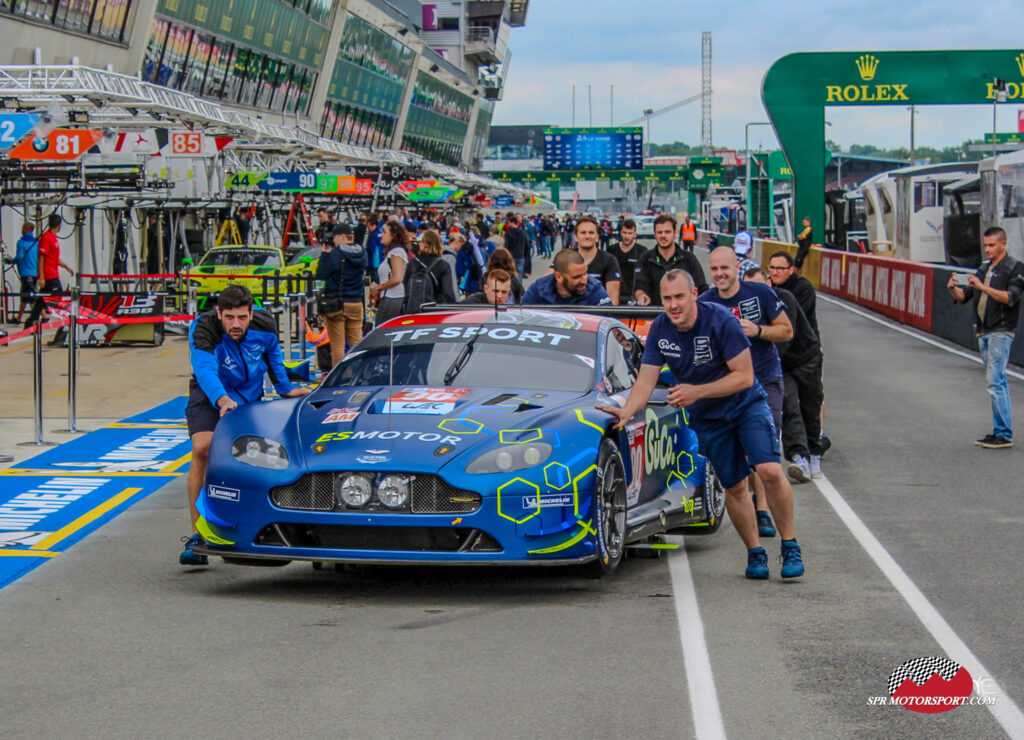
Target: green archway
[{"x": 798, "y": 87}]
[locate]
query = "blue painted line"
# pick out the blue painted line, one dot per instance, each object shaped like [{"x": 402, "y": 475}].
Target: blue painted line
[{"x": 54, "y": 500}]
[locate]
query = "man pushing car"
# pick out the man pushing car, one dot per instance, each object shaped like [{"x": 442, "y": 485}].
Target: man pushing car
[
  {"x": 709, "y": 356},
  {"x": 230, "y": 348}
]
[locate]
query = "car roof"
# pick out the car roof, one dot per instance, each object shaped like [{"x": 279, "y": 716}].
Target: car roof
[{"x": 521, "y": 317}]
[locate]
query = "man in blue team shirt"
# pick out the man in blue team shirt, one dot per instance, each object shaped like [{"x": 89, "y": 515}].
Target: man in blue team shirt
[
  {"x": 568, "y": 285},
  {"x": 230, "y": 347},
  {"x": 709, "y": 356},
  {"x": 763, "y": 319}
]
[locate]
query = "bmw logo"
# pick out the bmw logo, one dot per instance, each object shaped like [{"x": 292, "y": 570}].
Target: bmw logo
[{"x": 40, "y": 144}]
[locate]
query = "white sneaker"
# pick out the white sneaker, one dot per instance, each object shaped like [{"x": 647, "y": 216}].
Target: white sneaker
[
  {"x": 798, "y": 469},
  {"x": 815, "y": 466}
]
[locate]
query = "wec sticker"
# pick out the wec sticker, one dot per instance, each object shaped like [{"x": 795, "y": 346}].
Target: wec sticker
[
  {"x": 436, "y": 401},
  {"x": 337, "y": 416},
  {"x": 228, "y": 494},
  {"x": 417, "y": 407}
]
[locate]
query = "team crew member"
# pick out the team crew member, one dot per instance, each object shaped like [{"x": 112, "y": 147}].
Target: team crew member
[
  {"x": 600, "y": 264},
  {"x": 568, "y": 285},
  {"x": 709, "y": 356},
  {"x": 763, "y": 320},
  {"x": 341, "y": 267},
  {"x": 996, "y": 290},
  {"x": 783, "y": 274},
  {"x": 627, "y": 253},
  {"x": 497, "y": 289},
  {"x": 231, "y": 347},
  {"x": 688, "y": 233},
  {"x": 801, "y": 373},
  {"x": 49, "y": 267},
  {"x": 655, "y": 263}
]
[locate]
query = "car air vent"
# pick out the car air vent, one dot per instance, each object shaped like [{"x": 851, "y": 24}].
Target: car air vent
[
  {"x": 318, "y": 404},
  {"x": 527, "y": 406},
  {"x": 498, "y": 400}
]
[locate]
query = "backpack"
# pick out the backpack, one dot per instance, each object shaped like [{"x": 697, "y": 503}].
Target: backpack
[{"x": 422, "y": 288}]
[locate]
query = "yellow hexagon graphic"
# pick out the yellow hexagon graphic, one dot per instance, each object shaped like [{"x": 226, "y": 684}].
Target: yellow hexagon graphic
[
  {"x": 532, "y": 513},
  {"x": 686, "y": 467},
  {"x": 568, "y": 475},
  {"x": 576, "y": 490},
  {"x": 479, "y": 426},
  {"x": 501, "y": 435}
]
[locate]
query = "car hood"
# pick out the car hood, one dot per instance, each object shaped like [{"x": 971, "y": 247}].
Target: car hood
[{"x": 359, "y": 428}]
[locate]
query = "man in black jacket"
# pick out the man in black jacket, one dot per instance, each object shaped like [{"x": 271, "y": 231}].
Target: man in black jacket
[
  {"x": 783, "y": 273},
  {"x": 517, "y": 243},
  {"x": 653, "y": 264},
  {"x": 801, "y": 376},
  {"x": 341, "y": 267},
  {"x": 996, "y": 290}
]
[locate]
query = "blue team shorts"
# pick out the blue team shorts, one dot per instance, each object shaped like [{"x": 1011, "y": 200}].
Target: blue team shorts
[{"x": 736, "y": 446}]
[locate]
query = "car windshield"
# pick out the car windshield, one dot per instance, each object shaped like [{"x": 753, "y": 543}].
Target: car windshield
[
  {"x": 531, "y": 358},
  {"x": 311, "y": 252},
  {"x": 241, "y": 258}
]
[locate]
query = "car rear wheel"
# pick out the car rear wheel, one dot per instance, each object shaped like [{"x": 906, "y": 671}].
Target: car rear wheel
[{"x": 609, "y": 509}]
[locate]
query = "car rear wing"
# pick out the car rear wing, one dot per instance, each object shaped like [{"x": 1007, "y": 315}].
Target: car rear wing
[{"x": 622, "y": 313}]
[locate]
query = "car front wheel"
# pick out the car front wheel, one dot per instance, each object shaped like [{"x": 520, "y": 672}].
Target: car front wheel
[{"x": 609, "y": 509}]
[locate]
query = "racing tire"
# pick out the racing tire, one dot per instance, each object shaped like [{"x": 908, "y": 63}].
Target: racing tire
[
  {"x": 714, "y": 501},
  {"x": 609, "y": 510}
]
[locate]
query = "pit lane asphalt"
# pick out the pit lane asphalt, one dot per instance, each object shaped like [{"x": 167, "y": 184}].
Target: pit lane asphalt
[{"x": 114, "y": 639}]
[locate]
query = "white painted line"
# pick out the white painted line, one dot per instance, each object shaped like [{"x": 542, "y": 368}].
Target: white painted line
[
  {"x": 1006, "y": 712},
  {"x": 912, "y": 333},
  {"x": 707, "y": 715}
]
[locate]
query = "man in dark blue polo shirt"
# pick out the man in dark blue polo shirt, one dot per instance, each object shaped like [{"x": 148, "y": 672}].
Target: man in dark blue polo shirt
[
  {"x": 705, "y": 348},
  {"x": 764, "y": 322}
]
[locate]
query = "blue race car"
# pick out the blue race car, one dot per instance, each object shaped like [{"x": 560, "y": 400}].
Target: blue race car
[{"x": 460, "y": 437}]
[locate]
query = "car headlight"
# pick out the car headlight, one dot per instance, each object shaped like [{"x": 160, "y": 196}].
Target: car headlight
[
  {"x": 393, "y": 491},
  {"x": 354, "y": 490},
  {"x": 510, "y": 457},
  {"x": 260, "y": 452}
]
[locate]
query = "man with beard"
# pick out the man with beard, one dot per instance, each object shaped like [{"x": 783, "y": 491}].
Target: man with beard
[
  {"x": 668, "y": 255},
  {"x": 231, "y": 348},
  {"x": 568, "y": 285}
]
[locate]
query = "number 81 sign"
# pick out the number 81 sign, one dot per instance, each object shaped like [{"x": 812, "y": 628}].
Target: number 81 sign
[{"x": 60, "y": 144}]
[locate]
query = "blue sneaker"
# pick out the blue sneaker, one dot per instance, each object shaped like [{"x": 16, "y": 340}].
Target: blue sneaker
[
  {"x": 757, "y": 563},
  {"x": 792, "y": 560},
  {"x": 188, "y": 555},
  {"x": 765, "y": 526}
]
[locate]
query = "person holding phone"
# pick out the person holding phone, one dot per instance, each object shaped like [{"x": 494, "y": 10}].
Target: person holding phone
[{"x": 996, "y": 291}]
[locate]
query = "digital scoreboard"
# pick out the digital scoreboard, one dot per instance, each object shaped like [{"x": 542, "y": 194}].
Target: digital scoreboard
[{"x": 593, "y": 148}]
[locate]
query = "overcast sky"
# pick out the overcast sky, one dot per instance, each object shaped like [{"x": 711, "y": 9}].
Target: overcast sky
[{"x": 650, "y": 51}]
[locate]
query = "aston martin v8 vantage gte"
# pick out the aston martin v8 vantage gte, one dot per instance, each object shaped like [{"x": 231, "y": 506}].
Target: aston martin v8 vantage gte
[{"x": 463, "y": 437}]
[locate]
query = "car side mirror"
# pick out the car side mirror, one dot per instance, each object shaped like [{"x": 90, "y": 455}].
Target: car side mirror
[
  {"x": 659, "y": 397},
  {"x": 666, "y": 379}
]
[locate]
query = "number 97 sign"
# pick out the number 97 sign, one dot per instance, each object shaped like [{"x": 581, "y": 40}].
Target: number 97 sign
[{"x": 60, "y": 144}]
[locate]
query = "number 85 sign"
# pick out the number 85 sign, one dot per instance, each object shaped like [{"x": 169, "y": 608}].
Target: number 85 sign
[{"x": 59, "y": 144}]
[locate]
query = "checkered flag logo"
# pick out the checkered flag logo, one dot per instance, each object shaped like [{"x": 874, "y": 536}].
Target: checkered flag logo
[{"x": 919, "y": 670}]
